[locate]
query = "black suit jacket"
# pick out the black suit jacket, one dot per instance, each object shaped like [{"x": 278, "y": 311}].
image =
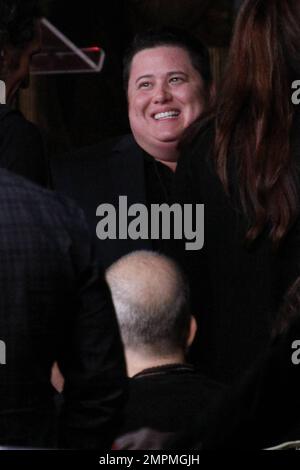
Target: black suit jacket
[
  {"x": 21, "y": 147},
  {"x": 100, "y": 174},
  {"x": 167, "y": 398},
  {"x": 53, "y": 307}
]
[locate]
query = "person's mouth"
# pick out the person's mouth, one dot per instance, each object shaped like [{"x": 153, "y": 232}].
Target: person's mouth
[{"x": 170, "y": 114}]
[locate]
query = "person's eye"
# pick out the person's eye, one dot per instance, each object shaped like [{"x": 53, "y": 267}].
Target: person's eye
[
  {"x": 176, "y": 80},
  {"x": 144, "y": 85}
]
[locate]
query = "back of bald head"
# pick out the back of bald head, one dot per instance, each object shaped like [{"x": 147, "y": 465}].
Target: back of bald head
[{"x": 151, "y": 299}]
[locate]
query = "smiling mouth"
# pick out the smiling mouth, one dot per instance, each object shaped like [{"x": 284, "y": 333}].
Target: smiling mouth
[{"x": 166, "y": 115}]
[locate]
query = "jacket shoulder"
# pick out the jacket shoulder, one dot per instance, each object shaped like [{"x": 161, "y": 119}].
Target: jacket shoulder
[
  {"x": 36, "y": 198},
  {"x": 102, "y": 150}
]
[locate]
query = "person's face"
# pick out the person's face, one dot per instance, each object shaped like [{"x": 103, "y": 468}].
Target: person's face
[
  {"x": 18, "y": 66},
  {"x": 165, "y": 95}
]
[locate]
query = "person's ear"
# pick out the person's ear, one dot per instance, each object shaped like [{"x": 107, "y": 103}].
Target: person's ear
[{"x": 192, "y": 332}]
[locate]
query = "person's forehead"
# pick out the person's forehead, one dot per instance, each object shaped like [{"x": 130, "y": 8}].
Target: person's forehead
[{"x": 159, "y": 58}]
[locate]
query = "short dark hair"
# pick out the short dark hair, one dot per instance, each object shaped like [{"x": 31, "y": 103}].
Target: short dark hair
[
  {"x": 17, "y": 22},
  {"x": 151, "y": 38}
]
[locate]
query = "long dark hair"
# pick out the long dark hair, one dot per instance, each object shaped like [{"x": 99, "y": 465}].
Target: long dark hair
[
  {"x": 254, "y": 114},
  {"x": 289, "y": 310}
]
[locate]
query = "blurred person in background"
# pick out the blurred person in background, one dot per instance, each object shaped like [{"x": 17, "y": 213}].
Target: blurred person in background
[
  {"x": 242, "y": 163},
  {"x": 21, "y": 145},
  {"x": 168, "y": 83},
  {"x": 54, "y": 306},
  {"x": 262, "y": 410}
]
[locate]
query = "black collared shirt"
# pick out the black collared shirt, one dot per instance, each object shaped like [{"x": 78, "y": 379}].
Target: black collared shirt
[{"x": 167, "y": 398}]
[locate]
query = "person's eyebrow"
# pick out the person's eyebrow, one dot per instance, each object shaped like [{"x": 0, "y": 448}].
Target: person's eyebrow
[
  {"x": 177, "y": 72},
  {"x": 144, "y": 76},
  {"x": 172, "y": 72}
]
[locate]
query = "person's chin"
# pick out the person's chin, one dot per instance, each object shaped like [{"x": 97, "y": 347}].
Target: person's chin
[
  {"x": 170, "y": 138},
  {"x": 166, "y": 146}
]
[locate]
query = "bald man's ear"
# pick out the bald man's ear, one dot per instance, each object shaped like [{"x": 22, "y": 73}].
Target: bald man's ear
[{"x": 192, "y": 332}]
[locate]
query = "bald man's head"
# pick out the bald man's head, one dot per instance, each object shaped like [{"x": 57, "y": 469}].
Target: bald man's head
[{"x": 151, "y": 299}]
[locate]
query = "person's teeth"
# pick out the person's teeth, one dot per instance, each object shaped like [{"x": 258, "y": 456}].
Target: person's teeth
[{"x": 166, "y": 115}]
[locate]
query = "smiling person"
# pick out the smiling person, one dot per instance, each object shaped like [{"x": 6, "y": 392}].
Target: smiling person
[
  {"x": 21, "y": 146},
  {"x": 167, "y": 88},
  {"x": 168, "y": 83}
]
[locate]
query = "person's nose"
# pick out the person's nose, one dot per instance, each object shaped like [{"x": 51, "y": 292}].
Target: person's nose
[{"x": 162, "y": 94}]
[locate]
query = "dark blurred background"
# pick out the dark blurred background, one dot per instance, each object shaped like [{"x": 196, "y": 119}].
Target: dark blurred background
[{"x": 75, "y": 110}]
